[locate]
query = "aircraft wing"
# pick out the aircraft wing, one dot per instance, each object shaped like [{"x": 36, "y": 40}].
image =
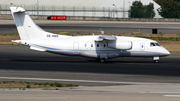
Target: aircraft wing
[{"x": 106, "y": 37}]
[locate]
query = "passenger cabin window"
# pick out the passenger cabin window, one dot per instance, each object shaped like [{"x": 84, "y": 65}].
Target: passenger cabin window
[
  {"x": 104, "y": 45},
  {"x": 154, "y": 44},
  {"x": 91, "y": 45},
  {"x": 85, "y": 45},
  {"x": 97, "y": 45}
]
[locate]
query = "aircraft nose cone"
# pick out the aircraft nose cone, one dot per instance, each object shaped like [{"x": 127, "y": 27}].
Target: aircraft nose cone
[
  {"x": 165, "y": 53},
  {"x": 168, "y": 53}
]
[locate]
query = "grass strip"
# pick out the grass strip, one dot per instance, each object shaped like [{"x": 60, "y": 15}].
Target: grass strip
[{"x": 21, "y": 84}]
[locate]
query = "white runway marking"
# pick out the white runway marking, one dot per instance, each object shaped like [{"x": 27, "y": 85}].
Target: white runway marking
[
  {"x": 86, "y": 81},
  {"x": 171, "y": 95},
  {"x": 162, "y": 93}
]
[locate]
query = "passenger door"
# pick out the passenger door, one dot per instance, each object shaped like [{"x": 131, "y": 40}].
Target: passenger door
[{"x": 76, "y": 48}]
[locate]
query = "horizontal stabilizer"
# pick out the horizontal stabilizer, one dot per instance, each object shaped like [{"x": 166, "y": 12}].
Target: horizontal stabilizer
[
  {"x": 24, "y": 42},
  {"x": 16, "y": 41},
  {"x": 18, "y": 9}
]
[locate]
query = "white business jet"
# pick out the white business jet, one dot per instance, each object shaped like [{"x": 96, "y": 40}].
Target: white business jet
[{"x": 100, "y": 47}]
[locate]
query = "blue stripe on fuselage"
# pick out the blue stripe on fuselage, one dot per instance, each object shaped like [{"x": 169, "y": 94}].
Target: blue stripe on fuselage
[{"x": 57, "y": 49}]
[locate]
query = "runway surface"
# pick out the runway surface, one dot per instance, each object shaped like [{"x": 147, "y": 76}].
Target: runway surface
[
  {"x": 18, "y": 63},
  {"x": 8, "y": 26}
]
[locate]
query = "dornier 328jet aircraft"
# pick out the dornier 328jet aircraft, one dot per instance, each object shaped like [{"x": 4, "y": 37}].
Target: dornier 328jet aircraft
[{"x": 100, "y": 47}]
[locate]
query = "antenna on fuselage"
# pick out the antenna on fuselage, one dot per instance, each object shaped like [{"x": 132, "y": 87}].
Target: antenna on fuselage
[
  {"x": 11, "y": 4},
  {"x": 101, "y": 31}
]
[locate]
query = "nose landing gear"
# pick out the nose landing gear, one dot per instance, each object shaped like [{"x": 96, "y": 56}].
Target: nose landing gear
[
  {"x": 156, "y": 59},
  {"x": 102, "y": 60}
]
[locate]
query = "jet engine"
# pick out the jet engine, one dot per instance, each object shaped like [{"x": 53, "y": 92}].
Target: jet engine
[{"x": 122, "y": 45}]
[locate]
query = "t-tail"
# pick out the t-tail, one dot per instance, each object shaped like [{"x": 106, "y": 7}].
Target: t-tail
[{"x": 26, "y": 27}]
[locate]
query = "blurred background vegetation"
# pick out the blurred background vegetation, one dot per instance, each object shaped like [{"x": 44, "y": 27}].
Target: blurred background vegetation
[
  {"x": 138, "y": 10},
  {"x": 168, "y": 9}
]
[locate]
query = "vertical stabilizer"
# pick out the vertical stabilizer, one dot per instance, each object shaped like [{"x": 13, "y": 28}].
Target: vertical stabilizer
[{"x": 25, "y": 25}]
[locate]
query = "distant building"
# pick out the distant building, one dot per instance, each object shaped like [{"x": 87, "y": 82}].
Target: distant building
[{"x": 95, "y": 8}]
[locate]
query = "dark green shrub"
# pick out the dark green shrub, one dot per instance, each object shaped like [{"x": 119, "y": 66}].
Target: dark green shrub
[{"x": 28, "y": 86}]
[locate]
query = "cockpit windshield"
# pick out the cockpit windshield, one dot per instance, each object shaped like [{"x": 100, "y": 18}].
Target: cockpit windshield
[{"x": 154, "y": 44}]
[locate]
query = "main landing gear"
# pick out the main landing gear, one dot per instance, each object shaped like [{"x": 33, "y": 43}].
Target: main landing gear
[
  {"x": 102, "y": 60},
  {"x": 156, "y": 59}
]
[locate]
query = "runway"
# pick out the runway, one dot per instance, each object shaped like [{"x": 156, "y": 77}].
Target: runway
[
  {"x": 118, "y": 79},
  {"x": 21, "y": 62},
  {"x": 110, "y": 27}
]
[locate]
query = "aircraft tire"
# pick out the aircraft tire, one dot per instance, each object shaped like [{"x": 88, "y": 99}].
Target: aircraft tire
[
  {"x": 102, "y": 60},
  {"x": 156, "y": 61}
]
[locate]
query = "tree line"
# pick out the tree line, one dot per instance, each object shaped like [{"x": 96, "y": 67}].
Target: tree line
[
  {"x": 138, "y": 10},
  {"x": 168, "y": 9}
]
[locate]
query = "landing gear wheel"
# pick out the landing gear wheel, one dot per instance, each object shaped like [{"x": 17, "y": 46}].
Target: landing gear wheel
[
  {"x": 156, "y": 61},
  {"x": 102, "y": 60}
]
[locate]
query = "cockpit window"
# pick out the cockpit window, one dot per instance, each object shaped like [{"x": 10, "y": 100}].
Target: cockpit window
[
  {"x": 154, "y": 44},
  {"x": 157, "y": 44}
]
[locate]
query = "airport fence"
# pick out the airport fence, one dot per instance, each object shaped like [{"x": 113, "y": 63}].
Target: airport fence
[{"x": 112, "y": 12}]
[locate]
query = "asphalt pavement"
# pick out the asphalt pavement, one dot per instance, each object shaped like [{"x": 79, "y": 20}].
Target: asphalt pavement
[{"x": 21, "y": 62}]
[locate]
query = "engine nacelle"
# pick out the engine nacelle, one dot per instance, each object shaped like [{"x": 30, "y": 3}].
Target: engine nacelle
[{"x": 122, "y": 45}]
